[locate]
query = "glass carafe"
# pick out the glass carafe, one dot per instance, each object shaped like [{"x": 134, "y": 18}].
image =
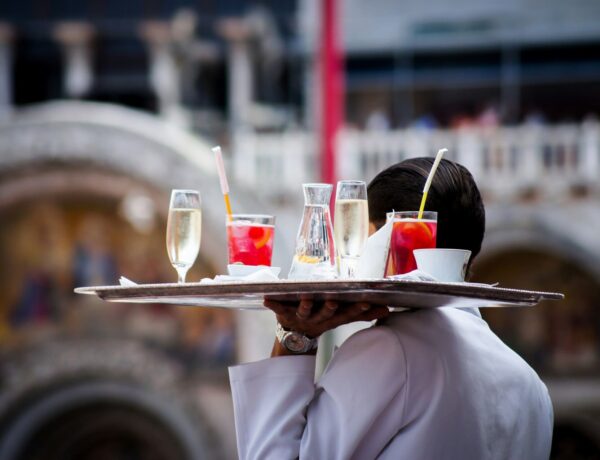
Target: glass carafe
[{"x": 314, "y": 257}]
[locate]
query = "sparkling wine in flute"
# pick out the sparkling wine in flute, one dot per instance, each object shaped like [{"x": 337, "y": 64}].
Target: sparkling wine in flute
[
  {"x": 184, "y": 230},
  {"x": 351, "y": 224},
  {"x": 351, "y": 227}
]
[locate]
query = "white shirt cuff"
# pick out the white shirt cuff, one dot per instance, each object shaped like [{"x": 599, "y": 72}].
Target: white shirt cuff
[{"x": 280, "y": 366}]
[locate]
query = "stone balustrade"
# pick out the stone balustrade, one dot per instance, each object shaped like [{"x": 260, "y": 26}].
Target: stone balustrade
[{"x": 507, "y": 162}]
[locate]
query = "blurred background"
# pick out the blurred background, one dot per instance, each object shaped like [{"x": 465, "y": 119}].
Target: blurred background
[{"x": 106, "y": 105}]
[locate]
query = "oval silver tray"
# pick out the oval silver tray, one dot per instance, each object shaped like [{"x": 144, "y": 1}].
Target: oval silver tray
[{"x": 393, "y": 293}]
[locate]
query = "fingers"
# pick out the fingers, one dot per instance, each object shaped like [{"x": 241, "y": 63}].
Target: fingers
[
  {"x": 355, "y": 309},
  {"x": 293, "y": 315},
  {"x": 328, "y": 309},
  {"x": 376, "y": 312},
  {"x": 278, "y": 307},
  {"x": 313, "y": 319},
  {"x": 304, "y": 309},
  {"x": 355, "y": 312},
  {"x": 360, "y": 307}
]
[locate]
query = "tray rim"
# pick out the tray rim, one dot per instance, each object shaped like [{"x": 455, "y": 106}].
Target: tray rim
[{"x": 265, "y": 288}]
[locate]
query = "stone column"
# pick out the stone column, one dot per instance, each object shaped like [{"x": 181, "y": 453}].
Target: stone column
[
  {"x": 164, "y": 71},
  {"x": 238, "y": 34},
  {"x": 6, "y": 37},
  {"x": 309, "y": 23},
  {"x": 194, "y": 55},
  {"x": 75, "y": 39},
  {"x": 589, "y": 144}
]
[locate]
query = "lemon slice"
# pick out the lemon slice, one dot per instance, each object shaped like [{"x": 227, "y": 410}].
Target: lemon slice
[
  {"x": 307, "y": 259},
  {"x": 264, "y": 240},
  {"x": 415, "y": 229},
  {"x": 426, "y": 228}
]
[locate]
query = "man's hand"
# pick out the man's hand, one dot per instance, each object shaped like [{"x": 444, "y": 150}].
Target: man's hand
[{"x": 312, "y": 320}]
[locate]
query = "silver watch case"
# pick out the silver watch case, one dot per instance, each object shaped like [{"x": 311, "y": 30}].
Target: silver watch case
[{"x": 295, "y": 341}]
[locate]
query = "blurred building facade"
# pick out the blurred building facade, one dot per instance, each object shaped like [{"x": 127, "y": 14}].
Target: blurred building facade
[{"x": 512, "y": 89}]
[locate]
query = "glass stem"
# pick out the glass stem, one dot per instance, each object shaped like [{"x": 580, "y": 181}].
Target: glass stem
[
  {"x": 348, "y": 267},
  {"x": 181, "y": 272},
  {"x": 350, "y": 271}
]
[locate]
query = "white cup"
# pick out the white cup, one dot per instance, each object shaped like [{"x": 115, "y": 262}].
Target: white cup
[{"x": 446, "y": 265}]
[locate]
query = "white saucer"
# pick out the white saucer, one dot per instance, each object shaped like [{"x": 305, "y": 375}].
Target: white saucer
[{"x": 245, "y": 270}]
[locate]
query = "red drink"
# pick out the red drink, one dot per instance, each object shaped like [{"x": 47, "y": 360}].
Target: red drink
[
  {"x": 409, "y": 234},
  {"x": 250, "y": 243}
]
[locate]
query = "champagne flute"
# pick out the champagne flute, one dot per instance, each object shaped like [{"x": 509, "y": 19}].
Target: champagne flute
[
  {"x": 351, "y": 226},
  {"x": 184, "y": 229}
]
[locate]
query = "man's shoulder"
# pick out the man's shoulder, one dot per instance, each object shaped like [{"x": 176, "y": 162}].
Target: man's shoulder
[
  {"x": 375, "y": 352},
  {"x": 370, "y": 340},
  {"x": 451, "y": 336}
]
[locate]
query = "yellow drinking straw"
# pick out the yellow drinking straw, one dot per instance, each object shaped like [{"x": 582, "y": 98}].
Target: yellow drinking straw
[
  {"x": 223, "y": 180},
  {"x": 438, "y": 158}
]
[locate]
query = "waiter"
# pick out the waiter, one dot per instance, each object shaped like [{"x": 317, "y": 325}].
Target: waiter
[{"x": 421, "y": 384}]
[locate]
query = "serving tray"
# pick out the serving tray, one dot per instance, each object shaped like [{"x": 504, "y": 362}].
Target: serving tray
[{"x": 393, "y": 293}]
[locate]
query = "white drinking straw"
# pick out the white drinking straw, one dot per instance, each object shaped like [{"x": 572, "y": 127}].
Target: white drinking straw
[
  {"x": 438, "y": 159},
  {"x": 223, "y": 179}
]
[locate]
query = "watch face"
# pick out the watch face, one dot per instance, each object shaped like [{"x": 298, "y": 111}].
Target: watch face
[{"x": 296, "y": 343}]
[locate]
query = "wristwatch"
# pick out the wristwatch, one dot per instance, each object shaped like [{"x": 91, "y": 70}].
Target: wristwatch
[{"x": 294, "y": 341}]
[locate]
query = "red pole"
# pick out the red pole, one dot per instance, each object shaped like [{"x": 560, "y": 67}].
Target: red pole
[{"x": 332, "y": 89}]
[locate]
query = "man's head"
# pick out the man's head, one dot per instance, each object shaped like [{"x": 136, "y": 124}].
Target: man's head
[{"x": 453, "y": 194}]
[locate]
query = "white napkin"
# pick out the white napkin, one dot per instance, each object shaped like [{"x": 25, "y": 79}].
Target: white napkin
[
  {"x": 420, "y": 275},
  {"x": 373, "y": 260},
  {"x": 126, "y": 282},
  {"x": 415, "y": 275},
  {"x": 260, "y": 275},
  {"x": 265, "y": 274}
]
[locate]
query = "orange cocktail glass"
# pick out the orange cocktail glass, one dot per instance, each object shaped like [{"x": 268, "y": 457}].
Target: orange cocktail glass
[
  {"x": 409, "y": 233},
  {"x": 250, "y": 239}
]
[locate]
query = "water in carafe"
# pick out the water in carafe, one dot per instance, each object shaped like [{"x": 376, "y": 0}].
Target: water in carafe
[{"x": 314, "y": 257}]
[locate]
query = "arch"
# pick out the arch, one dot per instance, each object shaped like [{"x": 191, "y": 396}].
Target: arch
[
  {"x": 547, "y": 247},
  {"x": 568, "y": 231},
  {"x": 129, "y": 148},
  {"x": 556, "y": 338}
]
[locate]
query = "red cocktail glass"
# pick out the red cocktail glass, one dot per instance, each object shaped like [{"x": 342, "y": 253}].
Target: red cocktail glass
[
  {"x": 409, "y": 233},
  {"x": 250, "y": 239}
]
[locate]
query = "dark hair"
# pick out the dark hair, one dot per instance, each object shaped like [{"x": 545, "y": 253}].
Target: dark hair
[{"x": 453, "y": 194}]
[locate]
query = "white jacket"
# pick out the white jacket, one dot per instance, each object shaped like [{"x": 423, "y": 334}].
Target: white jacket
[{"x": 428, "y": 384}]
